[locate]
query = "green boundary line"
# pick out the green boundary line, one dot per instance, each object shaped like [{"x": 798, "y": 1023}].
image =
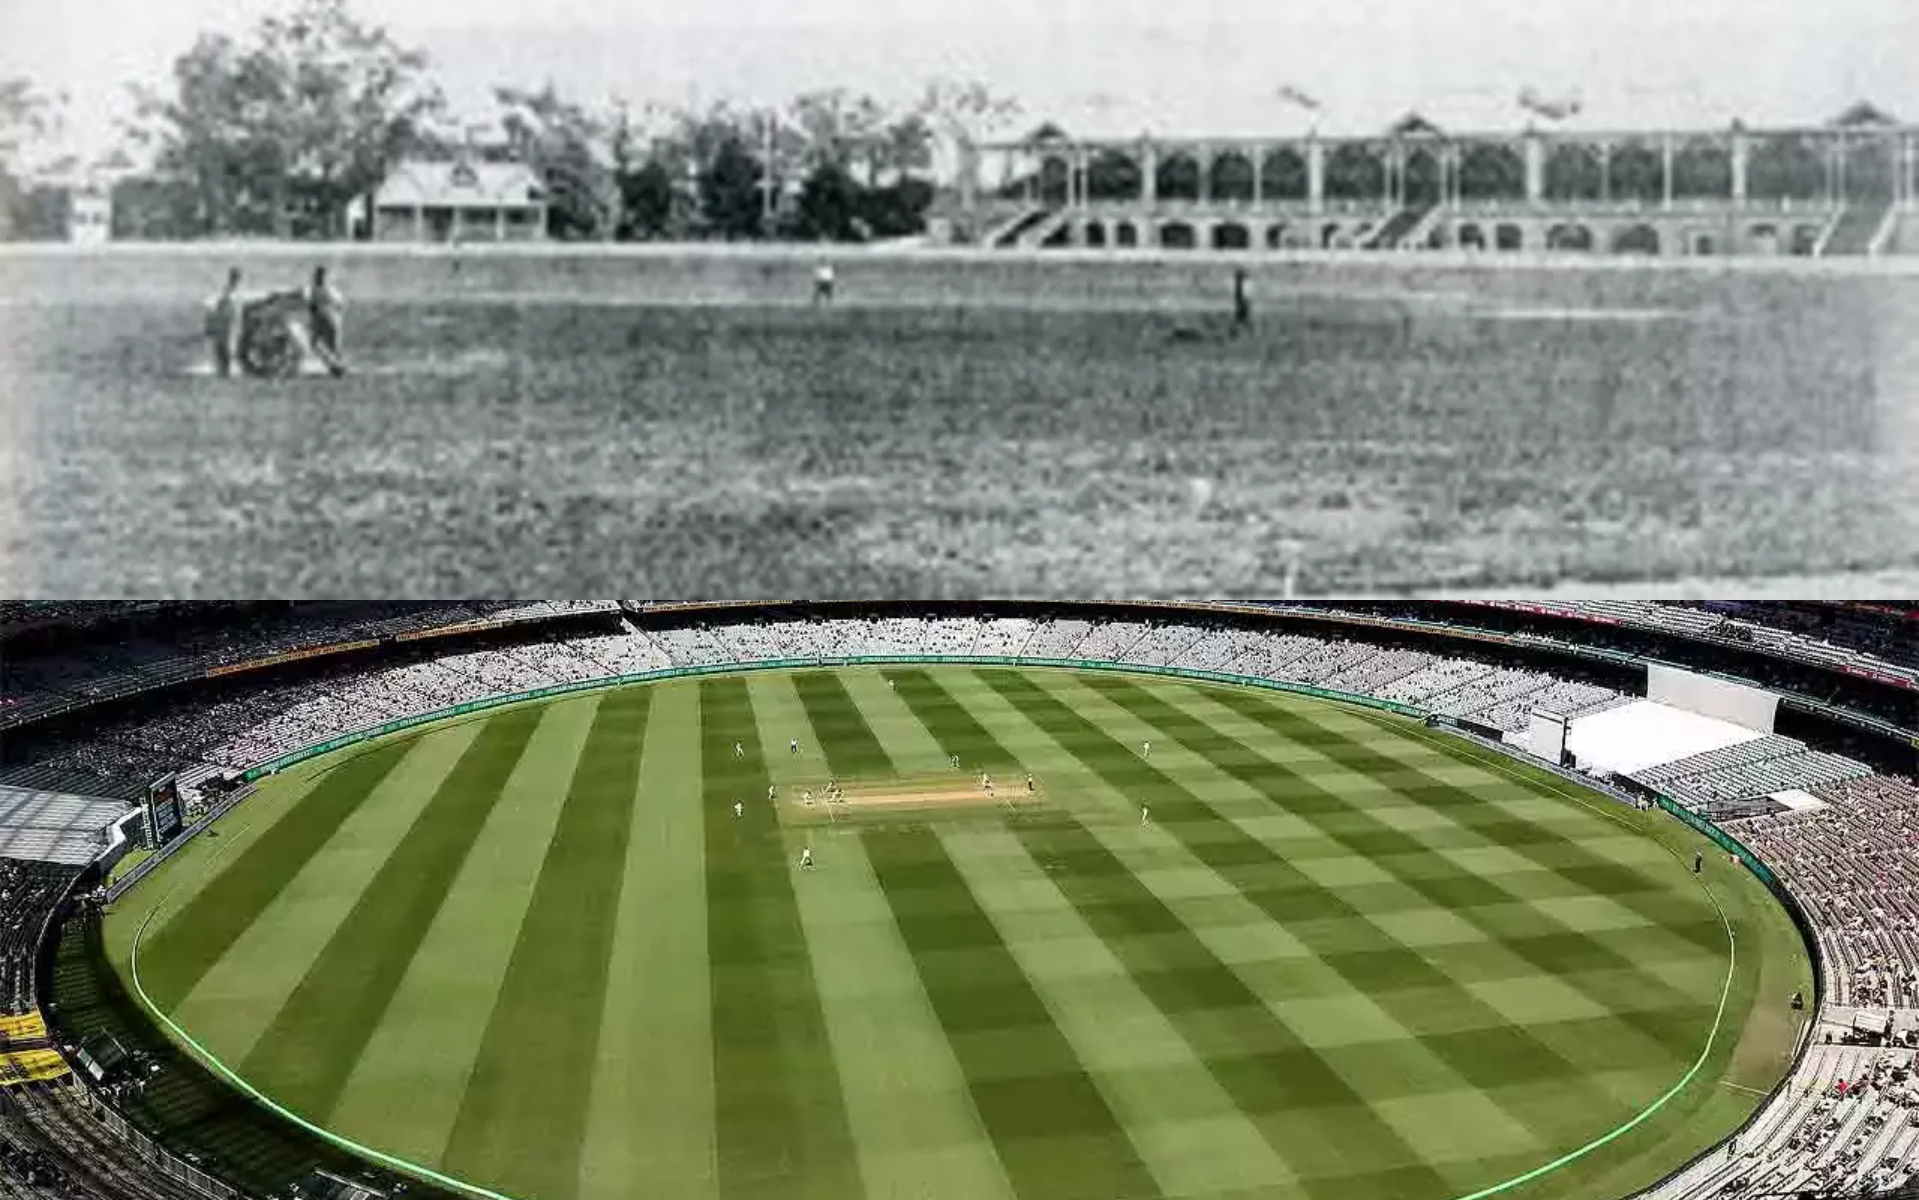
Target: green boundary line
[{"x": 433, "y": 1176}]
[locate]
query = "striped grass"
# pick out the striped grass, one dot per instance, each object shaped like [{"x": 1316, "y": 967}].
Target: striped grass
[{"x": 1333, "y": 958}]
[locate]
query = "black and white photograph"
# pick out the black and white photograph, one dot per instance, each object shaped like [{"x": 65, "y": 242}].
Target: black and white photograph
[{"x": 843, "y": 298}]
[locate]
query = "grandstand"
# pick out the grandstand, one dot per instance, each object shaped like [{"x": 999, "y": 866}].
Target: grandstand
[{"x": 212, "y": 703}]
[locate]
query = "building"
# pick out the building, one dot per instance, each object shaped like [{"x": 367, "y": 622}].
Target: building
[
  {"x": 457, "y": 201},
  {"x": 1849, "y": 186}
]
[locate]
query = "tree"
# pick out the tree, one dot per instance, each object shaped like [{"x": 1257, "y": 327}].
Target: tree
[
  {"x": 829, "y": 204},
  {"x": 730, "y": 192},
  {"x": 309, "y": 112},
  {"x": 646, "y": 201},
  {"x": 27, "y": 116},
  {"x": 898, "y": 209},
  {"x": 560, "y": 141}
]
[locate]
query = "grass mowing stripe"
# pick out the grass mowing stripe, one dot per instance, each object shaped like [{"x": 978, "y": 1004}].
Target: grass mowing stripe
[
  {"x": 1056, "y": 1135},
  {"x": 1358, "y": 948},
  {"x": 404, "y": 1094},
  {"x": 1673, "y": 1026},
  {"x": 960, "y": 734},
  {"x": 907, "y": 1102},
  {"x": 1600, "y": 872},
  {"x": 240, "y": 996},
  {"x": 907, "y": 742},
  {"x": 840, "y": 728},
  {"x": 178, "y": 953},
  {"x": 523, "y": 1117},
  {"x": 1530, "y": 932},
  {"x": 778, "y": 1115},
  {"x": 307, "y": 1052},
  {"x": 1307, "y": 1109},
  {"x": 650, "y": 1129},
  {"x": 1190, "y": 1132}
]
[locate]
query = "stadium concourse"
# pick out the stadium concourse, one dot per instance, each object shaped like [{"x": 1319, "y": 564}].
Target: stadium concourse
[{"x": 101, "y": 700}]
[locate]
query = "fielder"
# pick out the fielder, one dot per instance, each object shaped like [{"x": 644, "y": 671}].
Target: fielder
[
  {"x": 739, "y": 810},
  {"x": 806, "y": 858},
  {"x": 1144, "y": 816}
]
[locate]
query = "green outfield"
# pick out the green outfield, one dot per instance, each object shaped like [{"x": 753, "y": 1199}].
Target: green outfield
[{"x": 1299, "y": 949}]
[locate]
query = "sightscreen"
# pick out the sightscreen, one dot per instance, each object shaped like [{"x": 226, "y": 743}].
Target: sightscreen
[{"x": 1752, "y": 707}]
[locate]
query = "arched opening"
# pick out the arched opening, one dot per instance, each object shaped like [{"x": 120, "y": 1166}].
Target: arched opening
[
  {"x": 1231, "y": 235},
  {"x": 1125, "y": 235},
  {"x": 1439, "y": 239},
  {"x": 1112, "y": 175},
  {"x": 1509, "y": 237},
  {"x": 1702, "y": 170},
  {"x": 1055, "y": 182},
  {"x": 1569, "y": 238},
  {"x": 1283, "y": 175},
  {"x": 1637, "y": 173},
  {"x": 1703, "y": 245},
  {"x": 1636, "y": 239},
  {"x": 1178, "y": 177},
  {"x": 1095, "y": 234},
  {"x": 1784, "y": 168},
  {"x": 1763, "y": 239},
  {"x": 1472, "y": 237},
  {"x": 1329, "y": 235},
  {"x": 1492, "y": 171},
  {"x": 1573, "y": 172},
  {"x": 1230, "y": 177},
  {"x": 1276, "y": 235},
  {"x": 1355, "y": 171},
  {"x": 1061, "y": 236},
  {"x": 1805, "y": 239},
  {"x": 1177, "y": 235}
]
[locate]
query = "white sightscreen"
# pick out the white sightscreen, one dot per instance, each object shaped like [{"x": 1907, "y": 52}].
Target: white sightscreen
[
  {"x": 1749, "y": 706},
  {"x": 1547, "y": 736}
]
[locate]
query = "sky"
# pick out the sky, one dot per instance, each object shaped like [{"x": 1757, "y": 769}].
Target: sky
[{"x": 1096, "y": 66}]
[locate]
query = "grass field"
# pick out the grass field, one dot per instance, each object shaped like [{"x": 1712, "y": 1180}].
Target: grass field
[
  {"x": 688, "y": 428},
  {"x": 1340, "y": 958}
]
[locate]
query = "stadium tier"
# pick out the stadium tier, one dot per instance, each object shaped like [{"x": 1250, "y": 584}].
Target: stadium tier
[
  {"x": 1425, "y": 183},
  {"x": 228, "y": 702}
]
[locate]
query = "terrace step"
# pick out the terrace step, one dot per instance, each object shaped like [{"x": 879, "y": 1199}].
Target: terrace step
[{"x": 1858, "y": 228}]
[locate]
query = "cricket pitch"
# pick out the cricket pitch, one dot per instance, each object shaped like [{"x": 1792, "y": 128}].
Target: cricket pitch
[{"x": 951, "y": 792}]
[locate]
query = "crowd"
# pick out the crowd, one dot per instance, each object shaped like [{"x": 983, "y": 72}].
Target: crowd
[
  {"x": 1889, "y": 631},
  {"x": 1855, "y": 867},
  {"x": 1846, "y": 1124},
  {"x": 59, "y": 674}
]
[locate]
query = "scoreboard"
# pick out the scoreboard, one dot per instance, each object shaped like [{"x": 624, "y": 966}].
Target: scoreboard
[{"x": 165, "y": 817}]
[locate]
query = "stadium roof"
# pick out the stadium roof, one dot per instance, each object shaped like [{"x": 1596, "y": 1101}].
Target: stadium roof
[
  {"x": 55, "y": 826},
  {"x": 1104, "y": 118}
]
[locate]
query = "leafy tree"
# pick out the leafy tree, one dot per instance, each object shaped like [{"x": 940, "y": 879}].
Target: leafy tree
[
  {"x": 559, "y": 140},
  {"x": 309, "y": 112},
  {"x": 730, "y": 192},
  {"x": 829, "y": 204},
  {"x": 27, "y": 115},
  {"x": 646, "y": 202},
  {"x": 897, "y": 209}
]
